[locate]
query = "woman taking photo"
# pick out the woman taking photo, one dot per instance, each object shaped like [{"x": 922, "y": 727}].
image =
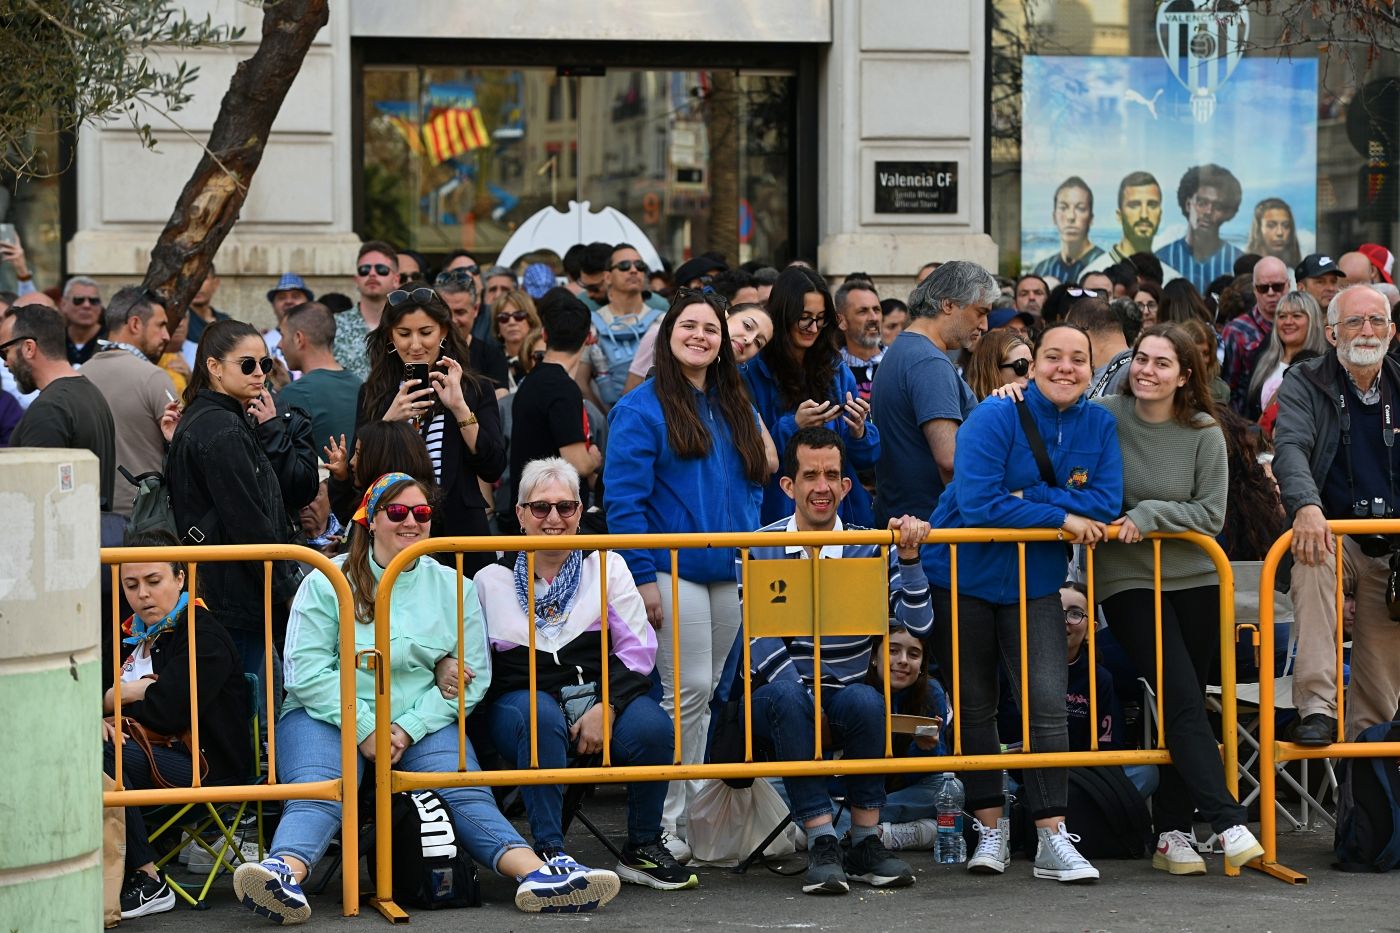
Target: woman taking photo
[
  {"x": 1000, "y": 357},
  {"x": 799, "y": 381},
  {"x": 236, "y": 476},
  {"x": 513, "y": 318},
  {"x": 998, "y": 483},
  {"x": 455, "y": 412},
  {"x": 567, "y": 620},
  {"x": 155, "y": 694},
  {"x": 1298, "y": 335},
  {"x": 1175, "y": 479},
  {"x": 396, "y": 513},
  {"x": 685, "y": 455}
]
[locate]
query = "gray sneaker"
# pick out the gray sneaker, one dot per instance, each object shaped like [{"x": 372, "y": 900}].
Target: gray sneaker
[
  {"x": 993, "y": 848},
  {"x": 825, "y": 874},
  {"x": 1058, "y": 859}
]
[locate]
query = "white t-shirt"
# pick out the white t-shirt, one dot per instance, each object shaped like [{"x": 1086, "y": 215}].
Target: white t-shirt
[{"x": 137, "y": 664}]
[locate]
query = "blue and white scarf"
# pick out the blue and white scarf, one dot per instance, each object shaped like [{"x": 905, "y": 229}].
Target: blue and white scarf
[
  {"x": 551, "y": 609},
  {"x": 140, "y": 632}
]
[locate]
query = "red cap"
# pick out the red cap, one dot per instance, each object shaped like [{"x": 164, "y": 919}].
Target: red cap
[{"x": 1382, "y": 258}]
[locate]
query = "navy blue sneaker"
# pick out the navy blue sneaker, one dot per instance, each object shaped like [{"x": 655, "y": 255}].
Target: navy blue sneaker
[
  {"x": 563, "y": 886},
  {"x": 269, "y": 889}
]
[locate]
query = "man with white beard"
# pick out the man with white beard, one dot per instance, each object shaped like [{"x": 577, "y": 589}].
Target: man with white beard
[
  {"x": 858, "y": 315},
  {"x": 1336, "y": 458}
]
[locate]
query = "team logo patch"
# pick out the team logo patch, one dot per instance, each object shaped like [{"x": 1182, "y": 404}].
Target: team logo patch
[{"x": 1078, "y": 477}]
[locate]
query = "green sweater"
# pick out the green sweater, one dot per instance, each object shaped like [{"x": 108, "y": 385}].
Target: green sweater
[
  {"x": 1175, "y": 478},
  {"x": 422, "y": 631}
]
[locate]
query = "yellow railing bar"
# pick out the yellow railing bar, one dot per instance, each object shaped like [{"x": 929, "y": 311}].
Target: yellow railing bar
[
  {"x": 603, "y": 637},
  {"x": 1093, "y": 655},
  {"x": 955, "y": 674},
  {"x": 675, "y": 646}
]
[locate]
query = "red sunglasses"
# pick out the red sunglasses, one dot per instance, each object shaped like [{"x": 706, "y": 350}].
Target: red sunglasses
[{"x": 397, "y": 512}]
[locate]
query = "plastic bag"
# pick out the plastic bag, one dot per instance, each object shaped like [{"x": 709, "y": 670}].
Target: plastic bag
[{"x": 727, "y": 823}]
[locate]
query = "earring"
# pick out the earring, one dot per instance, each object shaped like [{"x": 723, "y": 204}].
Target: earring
[{"x": 393, "y": 349}]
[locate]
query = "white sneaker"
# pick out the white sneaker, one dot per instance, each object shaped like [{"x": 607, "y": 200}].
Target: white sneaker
[
  {"x": 1057, "y": 858},
  {"x": 917, "y": 834},
  {"x": 200, "y": 862},
  {"x": 677, "y": 846},
  {"x": 993, "y": 848},
  {"x": 1176, "y": 853},
  {"x": 1240, "y": 845}
]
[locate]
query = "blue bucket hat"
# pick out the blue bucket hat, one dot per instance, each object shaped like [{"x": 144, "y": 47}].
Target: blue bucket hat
[
  {"x": 291, "y": 282},
  {"x": 538, "y": 279}
]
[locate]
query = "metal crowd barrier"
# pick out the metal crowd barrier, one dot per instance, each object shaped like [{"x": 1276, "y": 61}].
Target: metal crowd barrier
[
  {"x": 840, "y": 604},
  {"x": 198, "y": 792},
  {"x": 1273, "y": 752}
]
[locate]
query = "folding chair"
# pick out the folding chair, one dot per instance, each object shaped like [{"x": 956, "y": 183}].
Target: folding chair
[{"x": 228, "y": 853}]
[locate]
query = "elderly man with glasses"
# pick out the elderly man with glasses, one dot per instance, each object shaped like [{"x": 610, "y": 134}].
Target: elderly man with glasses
[
  {"x": 1245, "y": 335},
  {"x": 1336, "y": 458}
]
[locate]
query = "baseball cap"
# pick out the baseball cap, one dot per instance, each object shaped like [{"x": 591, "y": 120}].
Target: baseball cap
[
  {"x": 1315, "y": 265},
  {"x": 701, "y": 265},
  {"x": 1003, "y": 316},
  {"x": 1382, "y": 258}
]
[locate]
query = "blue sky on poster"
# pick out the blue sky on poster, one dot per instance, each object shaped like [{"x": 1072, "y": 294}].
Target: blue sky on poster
[{"x": 1103, "y": 117}]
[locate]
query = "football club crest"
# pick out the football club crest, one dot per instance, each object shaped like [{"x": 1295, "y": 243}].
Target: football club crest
[{"x": 1202, "y": 42}]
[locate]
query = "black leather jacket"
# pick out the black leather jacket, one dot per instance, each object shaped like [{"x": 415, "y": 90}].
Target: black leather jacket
[{"x": 232, "y": 482}]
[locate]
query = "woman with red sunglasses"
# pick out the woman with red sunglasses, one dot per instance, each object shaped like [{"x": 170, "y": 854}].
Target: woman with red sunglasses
[{"x": 396, "y": 513}]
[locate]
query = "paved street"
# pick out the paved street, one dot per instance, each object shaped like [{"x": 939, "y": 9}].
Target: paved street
[{"x": 1131, "y": 896}]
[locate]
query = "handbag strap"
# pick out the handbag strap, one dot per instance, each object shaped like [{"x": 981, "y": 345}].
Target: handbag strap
[{"x": 1042, "y": 456}]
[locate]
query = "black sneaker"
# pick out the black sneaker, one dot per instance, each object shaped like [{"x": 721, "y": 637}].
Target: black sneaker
[
  {"x": 1315, "y": 730},
  {"x": 143, "y": 895},
  {"x": 654, "y": 866},
  {"x": 824, "y": 872},
  {"x": 871, "y": 862}
]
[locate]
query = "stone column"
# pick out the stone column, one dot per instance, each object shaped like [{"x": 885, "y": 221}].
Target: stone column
[{"x": 50, "y": 695}]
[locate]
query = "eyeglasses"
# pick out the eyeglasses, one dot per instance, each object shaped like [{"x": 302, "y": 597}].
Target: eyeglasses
[
  {"x": 419, "y": 296},
  {"x": 406, "y": 277},
  {"x": 378, "y": 267},
  {"x": 541, "y": 510},
  {"x": 247, "y": 364},
  {"x": 86, "y": 300},
  {"x": 505, "y": 317},
  {"x": 457, "y": 277},
  {"x": 1377, "y": 322},
  {"x": 1019, "y": 367},
  {"x": 808, "y": 322},
  {"x": 707, "y": 294},
  {"x": 1265, "y": 288},
  {"x": 397, "y": 512},
  {"x": 627, "y": 265},
  {"x": 1145, "y": 306},
  {"x": 12, "y": 342},
  {"x": 1082, "y": 293},
  {"x": 1075, "y": 616}
]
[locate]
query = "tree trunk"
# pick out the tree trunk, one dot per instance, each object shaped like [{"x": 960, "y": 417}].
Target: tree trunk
[
  {"x": 211, "y": 200},
  {"x": 722, "y": 114}
]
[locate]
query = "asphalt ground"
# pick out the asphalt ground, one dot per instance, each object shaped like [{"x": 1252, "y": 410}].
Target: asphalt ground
[{"x": 1130, "y": 896}]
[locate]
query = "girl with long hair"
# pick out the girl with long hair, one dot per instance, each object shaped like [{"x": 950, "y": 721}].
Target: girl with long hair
[
  {"x": 396, "y": 512},
  {"x": 1175, "y": 478},
  {"x": 1273, "y": 232},
  {"x": 799, "y": 381},
  {"x": 1299, "y": 334},
  {"x": 685, "y": 455},
  {"x": 1000, "y": 356},
  {"x": 1181, "y": 302},
  {"x": 513, "y": 318},
  {"x": 455, "y": 412}
]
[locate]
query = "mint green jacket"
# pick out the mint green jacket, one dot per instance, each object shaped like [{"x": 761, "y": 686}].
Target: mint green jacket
[{"x": 422, "y": 631}]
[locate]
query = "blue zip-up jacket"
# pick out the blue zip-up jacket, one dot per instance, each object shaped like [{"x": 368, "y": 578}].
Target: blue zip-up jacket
[
  {"x": 994, "y": 459},
  {"x": 649, "y": 489},
  {"x": 861, "y": 453}
]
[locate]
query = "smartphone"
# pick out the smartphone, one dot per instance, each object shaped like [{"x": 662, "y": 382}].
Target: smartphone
[
  {"x": 8, "y": 234},
  {"x": 928, "y": 729},
  {"x": 416, "y": 372}
]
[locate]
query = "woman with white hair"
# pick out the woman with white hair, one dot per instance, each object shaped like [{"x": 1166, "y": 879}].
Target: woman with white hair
[
  {"x": 1297, "y": 335},
  {"x": 567, "y": 616}
]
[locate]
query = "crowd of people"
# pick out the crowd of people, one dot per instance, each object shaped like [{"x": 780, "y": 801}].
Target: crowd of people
[{"x": 590, "y": 393}]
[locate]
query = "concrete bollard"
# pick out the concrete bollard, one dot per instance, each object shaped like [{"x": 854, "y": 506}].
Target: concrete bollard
[{"x": 50, "y": 692}]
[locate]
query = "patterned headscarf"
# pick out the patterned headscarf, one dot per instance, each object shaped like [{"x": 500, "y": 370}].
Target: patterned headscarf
[{"x": 370, "y": 503}]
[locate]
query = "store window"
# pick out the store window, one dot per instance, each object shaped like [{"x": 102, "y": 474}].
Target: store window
[
  {"x": 29, "y": 210},
  {"x": 460, "y": 157},
  {"x": 1119, "y": 126}
]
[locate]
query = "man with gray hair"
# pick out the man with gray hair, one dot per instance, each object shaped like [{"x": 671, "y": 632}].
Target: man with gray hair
[
  {"x": 458, "y": 292},
  {"x": 499, "y": 280},
  {"x": 137, "y": 391},
  {"x": 918, "y": 398},
  {"x": 1336, "y": 458},
  {"x": 858, "y": 314},
  {"x": 81, "y": 306}
]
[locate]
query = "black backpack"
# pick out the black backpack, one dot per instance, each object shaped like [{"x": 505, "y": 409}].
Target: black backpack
[
  {"x": 431, "y": 866},
  {"x": 1368, "y": 807},
  {"x": 1107, "y": 813}
]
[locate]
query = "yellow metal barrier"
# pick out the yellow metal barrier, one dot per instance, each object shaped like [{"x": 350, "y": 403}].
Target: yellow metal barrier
[
  {"x": 197, "y": 793},
  {"x": 389, "y": 781},
  {"x": 1272, "y": 751}
]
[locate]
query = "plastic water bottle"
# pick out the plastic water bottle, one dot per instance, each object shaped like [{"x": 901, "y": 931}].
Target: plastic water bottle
[{"x": 950, "y": 847}]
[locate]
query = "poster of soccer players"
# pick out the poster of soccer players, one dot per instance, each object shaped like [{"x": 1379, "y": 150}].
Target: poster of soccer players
[{"x": 1129, "y": 155}]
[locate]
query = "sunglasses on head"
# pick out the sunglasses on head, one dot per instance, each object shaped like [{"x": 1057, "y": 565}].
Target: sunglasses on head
[
  {"x": 1019, "y": 367},
  {"x": 541, "y": 510},
  {"x": 1082, "y": 293},
  {"x": 397, "y": 512},
  {"x": 457, "y": 277},
  {"x": 247, "y": 364},
  {"x": 419, "y": 296},
  {"x": 505, "y": 317},
  {"x": 627, "y": 265},
  {"x": 705, "y": 293},
  {"x": 378, "y": 267},
  {"x": 1266, "y": 287}
]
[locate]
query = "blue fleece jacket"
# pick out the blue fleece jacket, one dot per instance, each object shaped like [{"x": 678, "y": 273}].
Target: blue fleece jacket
[
  {"x": 647, "y": 488},
  {"x": 994, "y": 459},
  {"x": 861, "y": 453}
]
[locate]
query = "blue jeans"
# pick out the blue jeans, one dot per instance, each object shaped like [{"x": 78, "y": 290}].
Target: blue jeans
[
  {"x": 309, "y": 750},
  {"x": 918, "y": 801},
  {"x": 783, "y": 720},
  {"x": 641, "y": 735}
]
